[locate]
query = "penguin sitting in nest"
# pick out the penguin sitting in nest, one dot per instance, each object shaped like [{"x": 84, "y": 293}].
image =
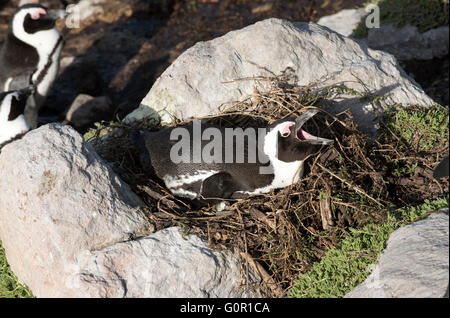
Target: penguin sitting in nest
[
  {"x": 30, "y": 55},
  {"x": 281, "y": 149}
]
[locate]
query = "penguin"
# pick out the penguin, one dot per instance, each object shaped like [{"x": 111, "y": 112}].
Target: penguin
[
  {"x": 12, "y": 120},
  {"x": 281, "y": 150},
  {"x": 30, "y": 54},
  {"x": 442, "y": 169}
]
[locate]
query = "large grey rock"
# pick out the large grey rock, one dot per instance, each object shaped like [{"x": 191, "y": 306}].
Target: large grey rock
[
  {"x": 343, "y": 22},
  {"x": 71, "y": 228},
  {"x": 407, "y": 43},
  {"x": 414, "y": 264},
  {"x": 165, "y": 264},
  {"x": 216, "y": 72},
  {"x": 58, "y": 198}
]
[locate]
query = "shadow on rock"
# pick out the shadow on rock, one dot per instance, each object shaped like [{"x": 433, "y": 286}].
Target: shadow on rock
[{"x": 119, "y": 64}]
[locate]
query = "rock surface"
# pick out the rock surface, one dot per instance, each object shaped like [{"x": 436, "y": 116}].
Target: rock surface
[
  {"x": 57, "y": 199},
  {"x": 414, "y": 264},
  {"x": 407, "y": 43},
  {"x": 344, "y": 22},
  {"x": 165, "y": 264},
  {"x": 71, "y": 228},
  {"x": 404, "y": 43},
  {"x": 213, "y": 73},
  {"x": 86, "y": 110}
]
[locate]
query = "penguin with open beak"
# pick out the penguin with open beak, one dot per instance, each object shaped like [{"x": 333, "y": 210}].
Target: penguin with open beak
[
  {"x": 30, "y": 55},
  {"x": 281, "y": 149},
  {"x": 13, "y": 123}
]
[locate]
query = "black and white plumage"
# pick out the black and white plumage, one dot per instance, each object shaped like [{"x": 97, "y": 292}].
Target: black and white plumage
[
  {"x": 442, "y": 170},
  {"x": 285, "y": 144},
  {"x": 30, "y": 54},
  {"x": 12, "y": 120}
]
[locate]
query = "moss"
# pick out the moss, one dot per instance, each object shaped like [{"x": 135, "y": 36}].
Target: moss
[
  {"x": 9, "y": 285},
  {"x": 346, "y": 265},
  {"x": 423, "y": 14},
  {"x": 421, "y": 130}
]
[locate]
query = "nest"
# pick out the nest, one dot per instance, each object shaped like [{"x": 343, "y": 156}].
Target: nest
[{"x": 281, "y": 234}]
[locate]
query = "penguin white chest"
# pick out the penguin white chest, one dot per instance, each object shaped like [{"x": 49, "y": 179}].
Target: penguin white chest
[
  {"x": 285, "y": 174},
  {"x": 11, "y": 129},
  {"x": 48, "y": 67}
]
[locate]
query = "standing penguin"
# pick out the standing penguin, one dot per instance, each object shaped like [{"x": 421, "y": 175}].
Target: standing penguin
[
  {"x": 12, "y": 119},
  {"x": 281, "y": 149},
  {"x": 30, "y": 55}
]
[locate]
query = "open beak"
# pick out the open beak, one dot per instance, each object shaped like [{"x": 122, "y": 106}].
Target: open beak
[{"x": 305, "y": 136}]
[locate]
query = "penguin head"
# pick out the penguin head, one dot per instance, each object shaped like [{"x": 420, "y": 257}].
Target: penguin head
[
  {"x": 14, "y": 103},
  {"x": 31, "y": 19},
  {"x": 292, "y": 142},
  {"x": 12, "y": 119}
]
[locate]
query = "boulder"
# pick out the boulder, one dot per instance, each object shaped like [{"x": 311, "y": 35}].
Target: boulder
[
  {"x": 408, "y": 43},
  {"x": 86, "y": 110},
  {"x": 415, "y": 263},
  {"x": 85, "y": 9},
  {"x": 165, "y": 264},
  {"x": 59, "y": 198},
  {"x": 343, "y": 22},
  {"x": 72, "y": 228},
  {"x": 405, "y": 43},
  {"x": 212, "y": 73}
]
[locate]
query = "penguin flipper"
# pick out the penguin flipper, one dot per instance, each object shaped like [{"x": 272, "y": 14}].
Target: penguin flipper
[{"x": 219, "y": 186}]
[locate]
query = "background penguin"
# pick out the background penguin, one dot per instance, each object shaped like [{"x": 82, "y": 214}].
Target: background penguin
[
  {"x": 30, "y": 54},
  {"x": 12, "y": 120},
  {"x": 285, "y": 144},
  {"x": 442, "y": 170}
]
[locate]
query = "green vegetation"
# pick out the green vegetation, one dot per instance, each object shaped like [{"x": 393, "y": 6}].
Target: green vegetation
[
  {"x": 100, "y": 130},
  {"x": 346, "y": 265},
  {"x": 423, "y": 14},
  {"x": 9, "y": 286},
  {"x": 421, "y": 130}
]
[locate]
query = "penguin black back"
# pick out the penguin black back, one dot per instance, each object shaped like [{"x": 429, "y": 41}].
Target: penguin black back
[{"x": 209, "y": 162}]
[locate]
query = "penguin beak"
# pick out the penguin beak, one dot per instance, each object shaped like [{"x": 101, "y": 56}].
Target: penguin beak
[
  {"x": 24, "y": 92},
  {"x": 304, "y": 136},
  {"x": 27, "y": 91},
  {"x": 55, "y": 14}
]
